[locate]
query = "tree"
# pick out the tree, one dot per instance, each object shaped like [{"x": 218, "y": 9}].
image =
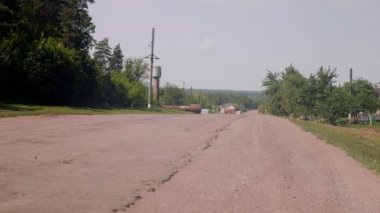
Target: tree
[
  {"x": 172, "y": 95},
  {"x": 8, "y": 12},
  {"x": 52, "y": 73},
  {"x": 326, "y": 77},
  {"x": 323, "y": 86},
  {"x": 271, "y": 82},
  {"x": 116, "y": 60},
  {"x": 102, "y": 55},
  {"x": 7, "y": 21},
  {"x": 76, "y": 25},
  {"x": 336, "y": 104},
  {"x": 293, "y": 91},
  {"x": 363, "y": 95},
  {"x": 43, "y": 42},
  {"x": 286, "y": 91},
  {"x": 310, "y": 95},
  {"x": 135, "y": 69},
  {"x": 129, "y": 93}
]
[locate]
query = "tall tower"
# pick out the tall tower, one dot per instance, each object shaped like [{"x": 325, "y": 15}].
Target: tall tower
[{"x": 156, "y": 83}]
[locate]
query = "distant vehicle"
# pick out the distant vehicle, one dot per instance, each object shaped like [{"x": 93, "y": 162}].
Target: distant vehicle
[
  {"x": 304, "y": 117},
  {"x": 229, "y": 109}
]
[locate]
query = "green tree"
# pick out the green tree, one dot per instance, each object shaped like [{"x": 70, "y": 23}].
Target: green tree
[
  {"x": 135, "y": 69},
  {"x": 102, "y": 55},
  {"x": 363, "y": 95},
  {"x": 172, "y": 95},
  {"x": 286, "y": 91},
  {"x": 325, "y": 78},
  {"x": 336, "y": 104},
  {"x": 116, "y": 60},
  {"x": 41, "y": 40},
  {"x": 130, "y": 93},
  {"x": 311, "y": 93},
  {"x": 293, "y": 92},
  {"x": 271, "y": 83},
  {"x": 76, "y": 26},
  {"x": 52, "y": 73},
  {"x": 290, "y": 93}
]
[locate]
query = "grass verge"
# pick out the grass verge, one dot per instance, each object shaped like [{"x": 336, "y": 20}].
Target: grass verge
[
  {"x": 11, "y": 110},
  {"x": 363, "y": 144}
]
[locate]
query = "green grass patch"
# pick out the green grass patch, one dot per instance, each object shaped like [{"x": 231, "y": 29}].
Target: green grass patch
[
  {"x": 375, "y": 126},
  {"x": 11, "y": 110},
  {"x": 361, "y": 143}
]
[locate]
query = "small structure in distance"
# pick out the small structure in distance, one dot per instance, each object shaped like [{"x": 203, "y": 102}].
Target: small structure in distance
[{"x": 229, "y": 108}]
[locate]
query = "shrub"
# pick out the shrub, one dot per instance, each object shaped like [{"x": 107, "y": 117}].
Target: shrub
[{"x": 341, "y": 122}]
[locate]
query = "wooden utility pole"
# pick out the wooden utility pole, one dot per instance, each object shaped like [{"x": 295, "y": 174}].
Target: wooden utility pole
[{"x": 152, "y": 57}]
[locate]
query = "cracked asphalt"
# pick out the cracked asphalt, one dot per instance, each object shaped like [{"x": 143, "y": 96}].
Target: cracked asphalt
[{"x": 176, "y": 163}]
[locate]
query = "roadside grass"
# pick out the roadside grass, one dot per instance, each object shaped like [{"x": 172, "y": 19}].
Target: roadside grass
[
  {"x": 12, "y": 110},
  {"x": 374, "y": 127},
  {"x": 360, "y": 142}
]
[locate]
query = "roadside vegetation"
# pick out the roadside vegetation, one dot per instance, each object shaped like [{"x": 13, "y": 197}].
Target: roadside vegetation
[
  {"x": 362, "y": 142},
  {"x": 323, "y": 109},
  {"x": 45, "y": 58},
  {"x": 11, "y": 110},
  {"x": 289, "y": 93}
]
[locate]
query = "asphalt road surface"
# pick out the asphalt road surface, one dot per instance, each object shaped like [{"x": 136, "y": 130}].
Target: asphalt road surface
[{"x": 176, "y": 163}]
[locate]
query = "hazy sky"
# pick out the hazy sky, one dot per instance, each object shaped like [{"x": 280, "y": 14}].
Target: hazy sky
[{"x": 229, "y": 44}]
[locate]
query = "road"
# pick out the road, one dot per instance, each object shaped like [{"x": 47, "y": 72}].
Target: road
[{"x": 176, "y": 163}]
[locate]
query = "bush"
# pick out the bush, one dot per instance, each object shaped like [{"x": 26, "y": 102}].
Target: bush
[
  {"x": 130, "y": 93},
  {"x": 341, "y": 122},
  {"x": 53, "y": 73}
]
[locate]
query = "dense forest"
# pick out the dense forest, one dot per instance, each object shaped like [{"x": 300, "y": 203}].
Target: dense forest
[
  {"x": 291, "y": 94},
  {"x": 44, "y": 58}
]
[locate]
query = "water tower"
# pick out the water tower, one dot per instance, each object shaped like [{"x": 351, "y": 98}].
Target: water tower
[{"x": 156, "y": 82}]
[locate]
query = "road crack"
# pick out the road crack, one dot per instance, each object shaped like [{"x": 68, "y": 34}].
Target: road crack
[{"x": 183, "y": 162}]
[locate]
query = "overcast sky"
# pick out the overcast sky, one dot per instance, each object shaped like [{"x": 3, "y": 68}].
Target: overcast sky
[{"x": 229, "y": 44}]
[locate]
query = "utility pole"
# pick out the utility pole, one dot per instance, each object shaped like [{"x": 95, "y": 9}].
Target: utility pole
[{"x": 152, "y": 57}]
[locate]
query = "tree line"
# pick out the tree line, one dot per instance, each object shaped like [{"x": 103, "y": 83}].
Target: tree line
[
  {"x": 45, "y": 59},
  {"x": 173, "y": 95},
  {"x": 289, "y": 93}
]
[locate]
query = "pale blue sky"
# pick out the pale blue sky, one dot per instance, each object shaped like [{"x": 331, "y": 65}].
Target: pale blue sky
[{"x": 228, "y": 44}]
